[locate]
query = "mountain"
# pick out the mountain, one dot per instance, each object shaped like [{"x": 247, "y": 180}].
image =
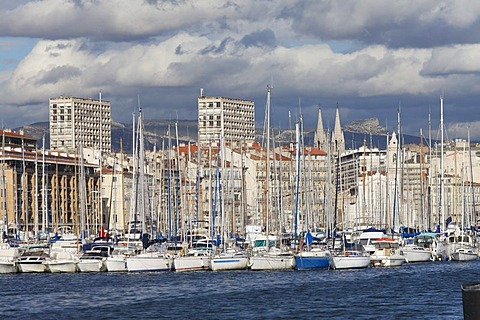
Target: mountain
[{"x": 371, "y": 125}]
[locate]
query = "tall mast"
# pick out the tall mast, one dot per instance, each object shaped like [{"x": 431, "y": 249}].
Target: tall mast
[
  {"x": 267, "y": 166},
  {"x": 100, "y": 162},
  {"x": 298, "y": 138},
  {"x": 35, "y": 199},
  {"x": 474, "y": 215},
  {"x": 141, "y": 171},
  {"x": 133, "y": 199},
  {"x": 4, "y": 187},
  {"x": 442, "y": 185}
]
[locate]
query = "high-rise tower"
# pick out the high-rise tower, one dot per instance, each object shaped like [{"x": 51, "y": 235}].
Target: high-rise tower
[
  {"x": 234, "y": 118},
  {"x": 77, "y": 120}
]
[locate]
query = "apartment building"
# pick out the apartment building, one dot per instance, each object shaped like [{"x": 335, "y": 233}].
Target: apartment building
[
  {"x": 234, "y": 117},
  {"x": 75, "y": 121}
]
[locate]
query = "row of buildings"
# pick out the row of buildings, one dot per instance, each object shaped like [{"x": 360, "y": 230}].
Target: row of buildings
[{"x": 79, "y": 184}]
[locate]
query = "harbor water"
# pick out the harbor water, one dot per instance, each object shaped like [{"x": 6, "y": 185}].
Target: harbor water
[{"x": 412, "y": 291}]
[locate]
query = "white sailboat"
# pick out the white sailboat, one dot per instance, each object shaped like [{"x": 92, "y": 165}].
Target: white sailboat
[
  {"x": 193, "y": 260},
  {"x": 229, "y": 261},
  {"x": 266, "y": 256},
  {"x": 350, "y": 259}
]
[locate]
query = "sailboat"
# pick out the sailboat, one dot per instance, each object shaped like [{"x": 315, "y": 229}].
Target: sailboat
[
  {"x": 308, "y": 257},
  {"x": 267, "y": 256},
  {"x": 228, "y": 256},
  {"x": 344, "y": 259},
  {"x": 153, "y": 258}
]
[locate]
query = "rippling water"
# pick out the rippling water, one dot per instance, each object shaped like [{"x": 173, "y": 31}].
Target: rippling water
[{"x": 414, "y": 291}]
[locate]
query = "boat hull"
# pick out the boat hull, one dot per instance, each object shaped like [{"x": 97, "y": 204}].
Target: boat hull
[
  {"x": 90, "y": 265},
  {"x": 58, "y": 266},
  {"x": 32, "y": 267},
  {"x": 417, "y": 255},
  {"x": 116, "y": 264},
  {"x": 464, "y": 255},
  {"x": 387, "y": 261},
  {"x": 350, "y": 262},
  {"x": 192, "y": 263},
  {"x": 147, "y": 263},
  {"x": 8, "y": 267},
  {"x": 229, "y": 263},
  {"x": 270, "y": 262},
  {"x": 305, "y": 263},
  {"x": 8, "y": 258}
]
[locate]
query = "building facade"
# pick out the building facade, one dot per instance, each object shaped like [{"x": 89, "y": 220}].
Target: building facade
[
  {"x": 75, "y": 121},
  {"x": 235, "y": 117}
]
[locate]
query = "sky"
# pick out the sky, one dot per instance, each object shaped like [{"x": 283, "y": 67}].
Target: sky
[{"x": 370, "y": 58}]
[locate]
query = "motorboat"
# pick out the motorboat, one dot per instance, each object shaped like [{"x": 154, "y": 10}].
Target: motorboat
[
  {"x": 387, "y": 253},
  {"x": 93, "y": 260},
  {"x": 61, "y": 262},
  {"x": 33, "y": 259},
  {"x": 8, "y": 258}
]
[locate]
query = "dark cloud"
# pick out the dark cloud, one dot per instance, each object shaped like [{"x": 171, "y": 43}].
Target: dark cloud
[
  {"x": 217, "y": 49},
  {"x": 260, "y": 38},
  {"x": 58, "y": 74},
  {"x": 399, "y": 24}
]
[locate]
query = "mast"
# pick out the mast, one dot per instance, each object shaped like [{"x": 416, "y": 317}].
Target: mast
[
  {"x": 4, "y": 191},
  {"x": 267, "y": 167},
  {"x": 295, "y": 234},
  {"x": 141, "y": 170},
  {"x": 169, "y": 185},
  {"x": 133, "y": 199},
  {"x": 122, "y": 186},
  {"x": 397, "y": 158},
  {"x": 35, "y": 199},
  {"x": 177, "y": 183},
  {"x": 442, "y": 185},
  {"x": 474, "y": 216},
  {"x": 100, "y": 162},
  {"x": 422, "y": 182}
]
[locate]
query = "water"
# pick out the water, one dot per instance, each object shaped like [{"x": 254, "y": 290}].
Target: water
[{"x": 413, "y": 291}]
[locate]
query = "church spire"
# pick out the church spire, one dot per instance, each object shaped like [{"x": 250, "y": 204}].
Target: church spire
[
  {"x": 320, "y": 140},
  {"x": 338, "y": 140}
]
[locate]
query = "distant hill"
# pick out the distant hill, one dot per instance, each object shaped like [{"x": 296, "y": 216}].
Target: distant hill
[{"x": 156, "y": 132}]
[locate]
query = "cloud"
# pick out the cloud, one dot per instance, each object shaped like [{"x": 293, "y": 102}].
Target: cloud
[
  {"x": 259, "y": 38},
  {"x": 368, "y": 56},
  {"x": 402, "y": 23},
  {"x": 118, "y": 20}
]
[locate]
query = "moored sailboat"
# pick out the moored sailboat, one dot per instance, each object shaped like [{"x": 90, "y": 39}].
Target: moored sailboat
[{"x": 350, "y": 259}]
